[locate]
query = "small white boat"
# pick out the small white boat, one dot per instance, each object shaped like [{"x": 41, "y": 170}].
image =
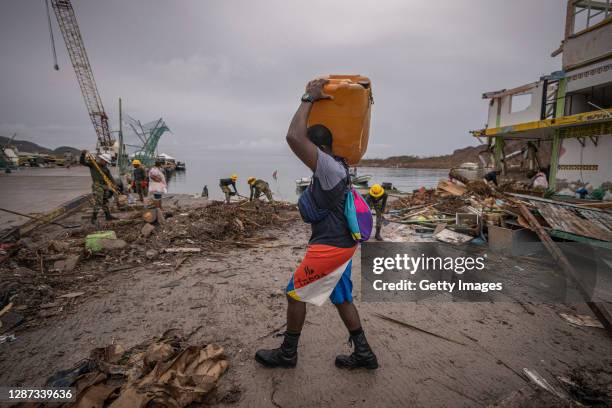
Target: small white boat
[
  {"x": 362, "y": 180},
  {"x": 301, "y": 184}
]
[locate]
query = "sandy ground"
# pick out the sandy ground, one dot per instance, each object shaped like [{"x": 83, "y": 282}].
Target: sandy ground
[{"x": 237, "y": 301}]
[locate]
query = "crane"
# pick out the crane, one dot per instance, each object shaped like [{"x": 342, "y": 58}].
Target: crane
[
  {"x": 149, "y": 135},
  {"x": 66, "y": 19}
]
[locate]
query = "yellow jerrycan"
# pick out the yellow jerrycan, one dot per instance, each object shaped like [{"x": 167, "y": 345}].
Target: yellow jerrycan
[{"x": 347, "y": 116}]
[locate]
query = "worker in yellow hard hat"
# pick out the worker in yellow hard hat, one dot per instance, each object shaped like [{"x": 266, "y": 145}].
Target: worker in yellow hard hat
[
  {"x": 139, "y": 179},
  {"x": 225, "y": 184},
  {"x": 259, "y": 187},
  {"x": 377, "y": 200}
]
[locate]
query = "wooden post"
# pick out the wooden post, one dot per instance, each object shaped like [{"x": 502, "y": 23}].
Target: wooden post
[
  {"x": 598, "y": 308},
  {"x": 120, "y": 159},
  {"x": 554, "y": 160}
]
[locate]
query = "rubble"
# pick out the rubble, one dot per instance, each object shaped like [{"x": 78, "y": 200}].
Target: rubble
[
  {"x": 472, "y": 207},
  {"x": 39, "y": 271},
  {"x": 163, "y": 372},
  {"x": 66, "y": 265},
  {"x": 112, "y": 244},
  {"x": 147, "y": 230}
]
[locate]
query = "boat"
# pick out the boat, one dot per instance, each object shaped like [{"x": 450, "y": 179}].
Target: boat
[
  {"x": 470, "y": 171},
  {"x": 358, "y": 181},
  {"x": 301, "y": 184},
  {"x": 361, "y": 181},
  {"x": 9, "y": 157},
  {"x": 180, "y": 166},
  {"x": 168, "y": 162}
]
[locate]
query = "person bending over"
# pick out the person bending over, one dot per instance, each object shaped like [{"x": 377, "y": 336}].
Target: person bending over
[
  {"x": 225, "y": 185},
  {"x": 377, "y": 200},
  {"x": 259, "y": 187}
]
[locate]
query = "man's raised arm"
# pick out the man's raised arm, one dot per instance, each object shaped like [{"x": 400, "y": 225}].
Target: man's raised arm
[{"x": 297, "y": 137}]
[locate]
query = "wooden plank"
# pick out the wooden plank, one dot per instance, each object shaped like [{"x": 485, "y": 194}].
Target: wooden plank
[
  {"x": 598, "y": 308},
  {"x": 547, "y": 200},
  {"x": 600, "y": 204},
  {"x": 604, "y": 220},
  {"x": 454, "y": 189},
  {"x": 579, "y": 238}
]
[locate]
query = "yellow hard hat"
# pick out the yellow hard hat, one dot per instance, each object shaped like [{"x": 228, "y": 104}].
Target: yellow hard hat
[
  {"x": 234, "y": 177},
  {"x": 136, "y": 162},
  {"x": 251, "y": 180},
  {"x": 377, "y": 191}
]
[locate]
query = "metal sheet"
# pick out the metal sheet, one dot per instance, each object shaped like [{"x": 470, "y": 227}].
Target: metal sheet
[{"x": 584, "y": 222}]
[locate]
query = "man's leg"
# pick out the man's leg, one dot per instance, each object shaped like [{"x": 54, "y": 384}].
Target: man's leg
[
  {"x": 296, "y": 315},
  {"x": 378, "y": 225},
  {"x": 286, "y": 355},
  {"x": 98, "y": 194},
  {"x": 268, "y": 194},
  {"x": 226, "y": 191},
  {"x": 342, "y": 298},
  {"x": 349, "y": 315},
  {"x": 139, "y": 189},
  {"x": 107, "y": 213}
]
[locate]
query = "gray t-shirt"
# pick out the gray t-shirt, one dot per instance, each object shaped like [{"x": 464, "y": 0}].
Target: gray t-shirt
[{"x": 329, "y": 187}]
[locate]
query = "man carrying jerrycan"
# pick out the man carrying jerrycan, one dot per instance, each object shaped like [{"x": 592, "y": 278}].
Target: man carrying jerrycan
[{"x": 325, "y": 271}]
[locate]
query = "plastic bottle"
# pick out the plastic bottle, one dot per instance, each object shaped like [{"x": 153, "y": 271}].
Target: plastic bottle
[{"x": 347, "y": 116}]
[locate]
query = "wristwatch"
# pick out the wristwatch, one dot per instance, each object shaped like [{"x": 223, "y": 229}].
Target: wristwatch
[{"x": 307, "y": 98}]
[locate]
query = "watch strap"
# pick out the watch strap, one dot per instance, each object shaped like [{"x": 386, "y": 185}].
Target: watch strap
[{"x": 307, "y": 98}]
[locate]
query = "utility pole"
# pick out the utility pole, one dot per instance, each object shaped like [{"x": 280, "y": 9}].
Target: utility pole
[{"x": 121, "y": 159}]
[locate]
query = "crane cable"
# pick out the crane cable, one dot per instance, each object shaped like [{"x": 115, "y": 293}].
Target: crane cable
[{"x": 55, "y": 65}]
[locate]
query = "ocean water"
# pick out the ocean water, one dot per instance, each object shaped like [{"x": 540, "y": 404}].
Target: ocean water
[{"x": 207, "y": 168}]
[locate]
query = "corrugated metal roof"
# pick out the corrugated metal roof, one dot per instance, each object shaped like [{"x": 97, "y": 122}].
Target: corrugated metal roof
[{"x": 590, "y": 223}]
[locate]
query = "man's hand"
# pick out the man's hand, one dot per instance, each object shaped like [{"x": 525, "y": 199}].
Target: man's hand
[
  {"x": 297, "y": 137},
  {"x": 314, "y": 88}
]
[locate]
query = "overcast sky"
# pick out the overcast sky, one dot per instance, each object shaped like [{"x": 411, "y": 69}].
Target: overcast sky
[{"x": 229, "y": 74}]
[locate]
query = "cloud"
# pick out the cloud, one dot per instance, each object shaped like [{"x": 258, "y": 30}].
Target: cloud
[{"x": 229, "y": 74}]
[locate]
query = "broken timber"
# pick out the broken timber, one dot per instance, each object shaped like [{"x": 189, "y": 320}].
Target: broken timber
[{"x": 598, "y": 308}]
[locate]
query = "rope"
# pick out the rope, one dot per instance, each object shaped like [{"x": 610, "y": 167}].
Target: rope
[{"x": 108, "y": 182}]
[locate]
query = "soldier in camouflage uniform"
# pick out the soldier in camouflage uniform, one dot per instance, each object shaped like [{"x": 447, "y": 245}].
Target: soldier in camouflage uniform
[
  {"x": 99, "y": 188},
  {"x": 259, "y": 187},
  {"x": 377, "y": 200}
]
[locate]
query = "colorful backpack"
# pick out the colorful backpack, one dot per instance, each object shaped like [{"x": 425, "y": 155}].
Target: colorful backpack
[{"x": 358, "y": 216}]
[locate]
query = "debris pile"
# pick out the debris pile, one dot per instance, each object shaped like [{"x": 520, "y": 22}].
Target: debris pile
[
  {"x": 473, "y": 207},
  {"x": 46, "y": 277},
  {"x": 454, "y": 206},
  {"x": 164, "y": 372}
]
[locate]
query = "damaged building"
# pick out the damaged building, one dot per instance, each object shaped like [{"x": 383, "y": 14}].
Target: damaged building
[{"x": 561, "y": 123}]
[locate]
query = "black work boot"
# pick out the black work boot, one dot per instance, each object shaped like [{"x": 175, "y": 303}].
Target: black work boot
[
  {"x": 363, "y": 356},
  {"x": 377, "y": 236},
  {"x": 108, "y": 216},
  {"x": 285, "y": 356}
]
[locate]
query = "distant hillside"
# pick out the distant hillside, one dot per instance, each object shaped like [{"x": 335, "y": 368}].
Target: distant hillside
[
  {"x": 466, "y": 154},
  {"x": 30, "y": 147}
]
